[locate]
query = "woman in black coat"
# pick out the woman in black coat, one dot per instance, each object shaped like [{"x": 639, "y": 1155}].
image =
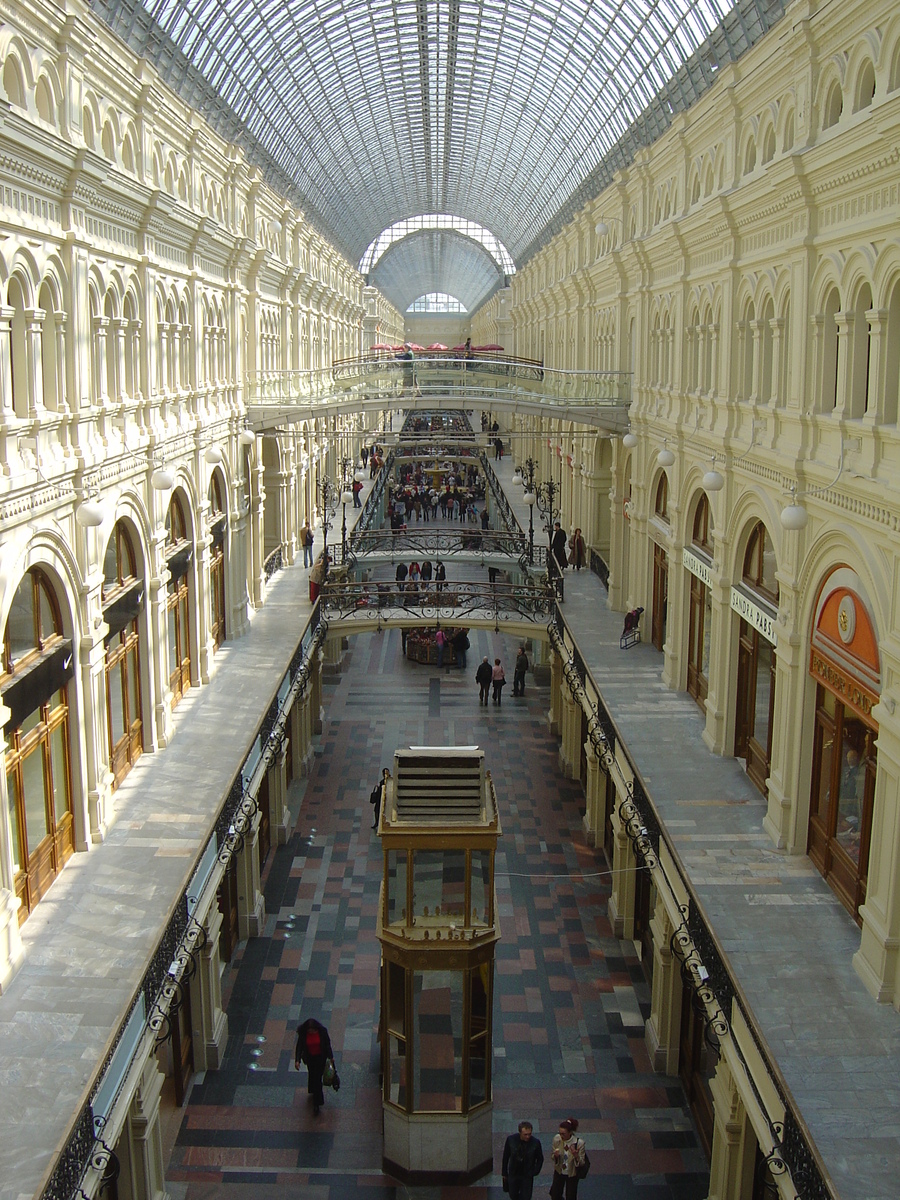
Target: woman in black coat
[{"x": 313, "y": 1050}]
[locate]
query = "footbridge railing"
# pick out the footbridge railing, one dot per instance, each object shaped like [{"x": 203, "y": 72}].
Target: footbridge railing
[
  {"x": 435, "y": 604},
  {"x": 593, "y": 397}
]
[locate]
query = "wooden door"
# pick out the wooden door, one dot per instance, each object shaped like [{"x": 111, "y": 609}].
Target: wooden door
[
  {"x": 265, "y": 822},
  {"x": 660, "y": 597}
]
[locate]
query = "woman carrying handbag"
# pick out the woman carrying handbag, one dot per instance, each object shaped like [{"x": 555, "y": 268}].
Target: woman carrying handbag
[
  {"x": 570, "y": 1161},
  {"x": 314, "y": 1051}
]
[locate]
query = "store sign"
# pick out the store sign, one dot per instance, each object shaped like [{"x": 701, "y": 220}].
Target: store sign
[
  {"x": 702, "y": 570},
  {"x": 844, "y": 686},
  {"x": 761, "y": 621}
]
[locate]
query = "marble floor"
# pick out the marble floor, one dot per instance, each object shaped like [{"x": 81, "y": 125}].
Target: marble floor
[{"x": 570, "y": 999}]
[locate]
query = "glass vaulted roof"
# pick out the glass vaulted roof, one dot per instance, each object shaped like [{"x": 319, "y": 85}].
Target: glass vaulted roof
[
  {"x": 506, "y": 113},
  {"x": 436, "y": 260}
]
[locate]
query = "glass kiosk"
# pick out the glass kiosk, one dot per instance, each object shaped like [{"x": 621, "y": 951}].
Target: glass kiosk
[{"x": 438, "y": 927}]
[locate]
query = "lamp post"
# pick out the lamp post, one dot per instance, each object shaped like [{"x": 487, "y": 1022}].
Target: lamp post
[
  {"x": 529, "y": 466},
  {"x": 346, "y": 498},
  {"x": 546, "y": 496},
  {"x": 328, "y": 498}
]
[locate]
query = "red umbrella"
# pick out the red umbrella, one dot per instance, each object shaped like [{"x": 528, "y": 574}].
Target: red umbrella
[
  {"x": 492, "y": 346},
  {"x": 459, "y": 347},
  {"x": 415, "y": 346},
  {"x": 437, "y": 346},
  {"x": 381, "y": 346}
]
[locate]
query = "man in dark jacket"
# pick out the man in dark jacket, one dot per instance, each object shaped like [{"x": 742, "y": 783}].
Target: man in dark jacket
[
  {"x": 558, "y": 545},
  {"x": 519, "y": 672},
  {"x": 313, "y": 1050},
  {"x": 483, "y": 678},
  {"x": 460, "y": 642},
  {"x": 523, "y": 1159}
]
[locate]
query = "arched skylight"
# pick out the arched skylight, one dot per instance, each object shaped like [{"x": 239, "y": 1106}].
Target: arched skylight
[
  {"x": 510, "y": 113},
  {"x": 469, "y": 229},
  {"x": 436, "y": 302}
]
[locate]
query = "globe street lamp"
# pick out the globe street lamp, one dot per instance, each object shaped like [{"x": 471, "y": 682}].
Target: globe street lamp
[
  {"x": 528, "y": 468},
  {"x": 328, "y": 500}
]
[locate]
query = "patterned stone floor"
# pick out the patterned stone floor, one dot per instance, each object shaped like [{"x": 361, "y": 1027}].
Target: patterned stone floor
[{"x": 570, "y": 999}]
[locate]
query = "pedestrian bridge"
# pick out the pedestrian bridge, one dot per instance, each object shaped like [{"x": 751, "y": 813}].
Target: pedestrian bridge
[{"x": 373, "y": 383}]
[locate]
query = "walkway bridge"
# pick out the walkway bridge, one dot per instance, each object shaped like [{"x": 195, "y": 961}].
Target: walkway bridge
[{"x": 373, "y": 383}]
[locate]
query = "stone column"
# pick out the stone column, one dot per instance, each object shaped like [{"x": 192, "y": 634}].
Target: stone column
[
  {"x": 722, "y": 663},
  {"x": 876, "y": 961},
  {"x": 315, "y": 697},
  {"x": 663, "y": 1029},
  {"x": 205, "y": 649},
  {"x": 554, "y": 715},
  {"x": 210, "y": 1024},
  {"x": 733, "y": 1144},
  {"x": 570, "y": 745},
  {"x": 595, "y": 794},
  {"x": 843, "y": 396},
  {"x": 278, "y": 798},
  {"x": 139, "y": 1149},
  {"x": 92, "y": 662},
  {"x": 11, "y": 951},
  {"x": 7, "y": 411},
  {"x": 119, "y": 333},
  {"x": 34, "y": 363},
  {"x": 621, "y": 900},
  {"x": 251, "y": 904},
  {"x": 100, "y": 395}
]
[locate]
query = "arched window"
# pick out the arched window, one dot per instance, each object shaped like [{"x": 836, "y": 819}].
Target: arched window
[
  {"x": 768, "y": 151},
  {"x": 865, "y": 87},
  {"x": 756, "y": 658},
  {"x": 217, "y": 529},
  {"x": 750, "y": 157},
  {"x": 830, "y": 351},
  {"x": 759, "y": 564},
  {"x": 13, "y": 84},
  {"x": 179, "y": 555},
  {"x": 37, "y": 667},
  {"x": 661, "y": 505},
  {"x": 834, "y": 106},
  {"x": 700, "y": 532},
  {"x": 123, "y": 602}
]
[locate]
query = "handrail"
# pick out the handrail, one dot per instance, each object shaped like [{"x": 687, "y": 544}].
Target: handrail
[
  {"x": 437, "y": 602},
  {"x": 704, "y": 963},
  {"x": 425, "y": 542},
  {"x": 161, "y": 987}
]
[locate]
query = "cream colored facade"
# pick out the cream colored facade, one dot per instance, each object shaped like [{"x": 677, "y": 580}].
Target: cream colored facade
[
  {"x": 148, "y": 279},
  {"x": 746, "y": 268}
]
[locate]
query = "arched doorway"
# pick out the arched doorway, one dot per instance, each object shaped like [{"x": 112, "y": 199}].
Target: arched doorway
[
  {"x": 698, "y": 561},
  {"x": 844, "y": 662},
  {"x": 123, "y": 602},
  {"x": 660, "y": 610},
  {"x": 179, "y": 555},
  {"x": 37, "y": 667},
  {"x": 756, "y": 602},
  {"x": 217, "y": 528}
]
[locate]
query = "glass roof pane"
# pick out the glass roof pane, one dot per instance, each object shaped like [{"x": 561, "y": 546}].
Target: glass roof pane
[{"x": 499, "y": 111}]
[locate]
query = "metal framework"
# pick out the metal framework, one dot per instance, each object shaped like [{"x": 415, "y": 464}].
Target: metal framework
[{"x": 508, "y": 113}]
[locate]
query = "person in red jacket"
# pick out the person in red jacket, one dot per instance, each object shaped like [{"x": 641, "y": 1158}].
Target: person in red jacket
[{"x": 313, "y": 1050}]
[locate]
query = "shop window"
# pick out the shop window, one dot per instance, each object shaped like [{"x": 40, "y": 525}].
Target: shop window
[
  {"x": 661, "y": 504},
  {"x": 37, "y": 666},
  {"x": 217, "y": 562},
  {"x": 843, "y": 791},
  {"x": 756, "y": 664},
  {"x": 178, "y": 600},
  {"x": 123, "y": 601}
]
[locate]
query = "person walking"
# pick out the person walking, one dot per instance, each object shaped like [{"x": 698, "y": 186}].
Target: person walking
[
  {"x": 558, "y": 545},
  {"x": 377, "y": 795},
  {"x": 460, "y": 642},
  {"x": 577, "y": 550},
  {"x": 568, "y": 1156},
  {"x": 521, "y": 666},
  {"x": 523, "y": 1159},
  {"x": 365, "y": 456},
  {"x": 485, "y": 519},
  {"x": 440, "y": 575},
  {"x": 306, "y": 541},
  {"x": 314, "y": 1051},
  {"x": 483, "y": 677},
  {"x": 440, "y": 641},
  {"x": 498, "y": 678},
  {"x": 357, "y": 488}
]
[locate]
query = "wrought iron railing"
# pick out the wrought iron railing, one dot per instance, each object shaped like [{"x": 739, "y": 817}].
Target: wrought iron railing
[
  {"x": 161, "y": 988},
  {"x": 462, "y": 541},
  {"x": 273, "y": 563},
  {"x": 600, "y": 568},
  {"x": 604, "y": 395},
  {"x": 705, "y": 966},
  {"x": 437, "y": 603},
  {"x": 373, "y": 507}
]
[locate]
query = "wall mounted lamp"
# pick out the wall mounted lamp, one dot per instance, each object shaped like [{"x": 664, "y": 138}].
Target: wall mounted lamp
[
  {"x": 213, "y": 455},
  {"x": 665, "y": 458},
  {"x": 713, "y": 480},
  {"x": 794, "y": 514},
  {"x": 247, "y": 437},
  {"x": 90, "y": 513},
  {"x": 630, "y": 440}
]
